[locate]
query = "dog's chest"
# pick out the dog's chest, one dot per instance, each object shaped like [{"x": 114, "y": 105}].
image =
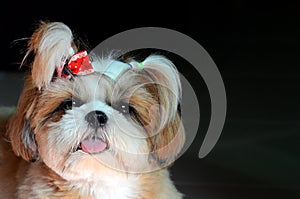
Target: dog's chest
[{"x": 109, "y": 190}]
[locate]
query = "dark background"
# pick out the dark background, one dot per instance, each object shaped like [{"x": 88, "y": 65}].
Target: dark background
[{"x": 256, "y": 49}]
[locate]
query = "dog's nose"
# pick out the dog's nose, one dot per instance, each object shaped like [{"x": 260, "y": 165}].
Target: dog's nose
[{"x": 96, "y": 118}]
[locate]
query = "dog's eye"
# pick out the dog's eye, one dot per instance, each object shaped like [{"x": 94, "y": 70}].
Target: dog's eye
[
  {"x": 124, "y": 108},
  {"x": 68, "y": 104}
]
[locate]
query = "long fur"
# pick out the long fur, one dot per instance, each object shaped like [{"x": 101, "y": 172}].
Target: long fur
[
  {"x": 41, "y": 154},
  {"x": 50, "y": 45}
]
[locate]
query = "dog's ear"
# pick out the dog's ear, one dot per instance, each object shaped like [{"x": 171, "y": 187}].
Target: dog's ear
[
  {"x": 51, "y": 45},
  {"x": 168, "y": 137},
  {"x": 22, "y": 140},
  {"x": 29, "y": 151},
  {"x": 168, "y": 142},
  {"x": 19, "y": 131}
]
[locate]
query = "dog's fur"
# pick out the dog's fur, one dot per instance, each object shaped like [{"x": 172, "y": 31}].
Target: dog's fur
[{"x": 41, "y": 154}]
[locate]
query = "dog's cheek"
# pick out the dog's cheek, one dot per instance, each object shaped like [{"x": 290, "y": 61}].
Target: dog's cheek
[
  {"x": 45, "y": 148},
  {"x": 51, "y": 149}
]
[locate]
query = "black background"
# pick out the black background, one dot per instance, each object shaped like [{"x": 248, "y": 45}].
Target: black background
[{"x": 256, "y": 48}]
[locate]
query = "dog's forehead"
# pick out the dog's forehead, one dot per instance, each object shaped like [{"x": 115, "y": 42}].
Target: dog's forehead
[
  {"x": 98, "y": 86},
  {"x": 91, "y": 86}
]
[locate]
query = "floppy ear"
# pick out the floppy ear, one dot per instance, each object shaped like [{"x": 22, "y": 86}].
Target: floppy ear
[
  {"x": 51, "y": 46},
  {"x": 169, "y": 139},
  {"x": 168, "y": 143},
  {"x": 22, "y": 140},
  {"x": 19, "y": 131}
]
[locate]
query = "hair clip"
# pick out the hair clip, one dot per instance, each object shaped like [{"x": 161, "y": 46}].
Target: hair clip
[{"x": 141, "y": 65}]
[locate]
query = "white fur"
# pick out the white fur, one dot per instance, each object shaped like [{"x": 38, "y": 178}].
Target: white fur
[
  {"x": 113, "y": 69},
  {"x": 126, "y": 169}
]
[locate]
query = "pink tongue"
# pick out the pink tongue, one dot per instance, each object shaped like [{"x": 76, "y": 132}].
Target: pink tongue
[{"x": 93, "y": 146}]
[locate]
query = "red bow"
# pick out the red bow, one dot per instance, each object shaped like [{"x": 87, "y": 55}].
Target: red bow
[{"x": 79, "y": 64}]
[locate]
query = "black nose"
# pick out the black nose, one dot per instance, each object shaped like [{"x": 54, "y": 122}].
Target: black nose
[{"x": 96, "y": 118}]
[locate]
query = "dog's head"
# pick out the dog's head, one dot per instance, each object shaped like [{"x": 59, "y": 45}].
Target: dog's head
[{"x": 121, "y": 116}]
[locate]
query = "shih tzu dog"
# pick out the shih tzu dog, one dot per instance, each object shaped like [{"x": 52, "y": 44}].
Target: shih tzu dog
[{"x": 91, "y": 127}]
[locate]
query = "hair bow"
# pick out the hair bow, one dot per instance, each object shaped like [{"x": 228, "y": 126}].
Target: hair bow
[{"x": 78, "y": 64}]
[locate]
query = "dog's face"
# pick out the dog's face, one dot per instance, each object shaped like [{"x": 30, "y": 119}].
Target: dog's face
[{"x": 94, "y": 125}]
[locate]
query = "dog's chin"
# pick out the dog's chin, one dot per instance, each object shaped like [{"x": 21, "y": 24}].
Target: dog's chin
[
  {"x": 97, "y": 156},
  {"x": 85, "y": 166},
  {"x": 100, "y": 165}
]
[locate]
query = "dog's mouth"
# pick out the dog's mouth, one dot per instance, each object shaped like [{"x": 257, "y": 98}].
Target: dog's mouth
[{"x": 93, "y": 145}]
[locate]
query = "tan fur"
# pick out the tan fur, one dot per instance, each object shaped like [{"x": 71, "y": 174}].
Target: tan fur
[
  {"x": 50, "y": 44},
  {"x": 39, "y": 154},
  {"x": 23, "y": 112}
]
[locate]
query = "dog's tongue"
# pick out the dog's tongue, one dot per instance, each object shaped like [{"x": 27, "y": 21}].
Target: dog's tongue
[{"x": 93, "y": 146}]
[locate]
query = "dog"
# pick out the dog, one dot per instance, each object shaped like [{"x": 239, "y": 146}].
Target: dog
[{"x": 89, "y": 126}]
